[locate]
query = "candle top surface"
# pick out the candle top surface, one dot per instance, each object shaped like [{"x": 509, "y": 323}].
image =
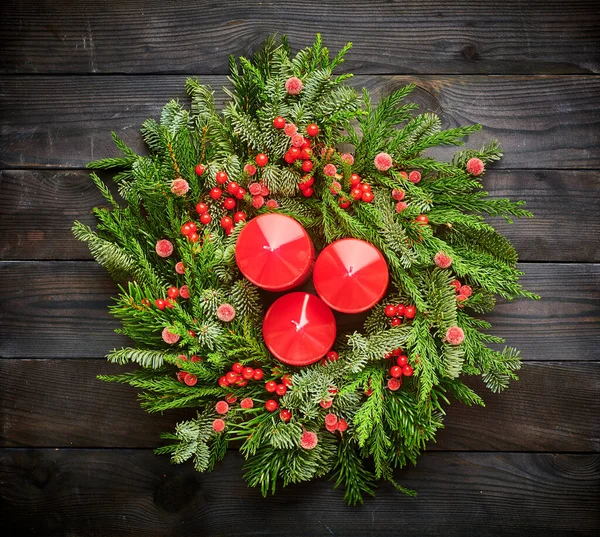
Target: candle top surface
[
  {"x": 274, "y": 252},
  {"x": 299, "y": 329},
  {"x": 351, "y": 275}
]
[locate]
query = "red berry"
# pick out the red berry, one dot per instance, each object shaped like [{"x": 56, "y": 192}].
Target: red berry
[
  {"x": 367, "y": 197},
  {"x": 205, "y": 218},
  {"x": 186, "y": 229},
  {"x": 369, "y": 392},
  {"x": 279, "y": 122},
  {"x": 196, "y": 359},
  {"x": 306, "y": 153},
  {"x": 271, "y": 405},
  {"x": 402, "y": 360},
  {"x": 410, "y": 312},
  {"x": 342, "y": 425},
  {"x": 356, "y": 193},
  {"x": 390, "y": 310},
  {"x": 229, "y": 204},
  {"x": 160, "y": 303},
  {"x": 222, "y": 407},
  {"x": 326, "y": 404},
  {"x": 332, "y": 356},
  {"x": 173, "y": 292},
  {"x": 344, "y": 203},
  {"x": 396, "y": 321},
  {"x": 246, "y": 402},
  {"x": 170, "y": 303},
  {"x": 308, "y": 192},
  {"x": 414, "y": 176},
  {"x": 287, "y": 380},
  {"x": 331, "y": 419},
  {"x": 312, "y": 129},
  {"x": 223, "y": 382},
  {"x": 407, "y": 371},
  {"x": 215, "y": 193},
  {"x": 396, "y": 352},
  {"x": 285, "y": 415},
  {"x": 191, "y": 333},
  {"x": 179, "y": 267},
  {"x": 240, "y": 193},
  {"x": 248, "y": 373},
  {"x": 222, "y": 178},
  {"x": 396, "y": 371},
  {"x": 400, "y": 310},
  {"x": 332, "y": 390},
  {"x": 354, "y": 179},
  {"x": 190, "y": 379},
  {"x": 258, "y": 374},
  {"x": 201, "y": 208},
  {"x": 422, "y": 219},
  {"x": 271, "y": 386},
  {"x": 281, "y": 389},
  {"x": 237, "y": 368},
  {"x": 194, "y": 237},
  {"x": 232, "y": 187},
  {"x": 365, "y": 187},
  {"x": 218, "y": 425},
  {"x": 226, "y": 222},
  {"x": 145, "y": 302},
  {"x": 261, "y": 160},
  {"x": 181, "y": 376},
  {"x": 231, "y": 377},
  {"x": 398, "y": 194},
  {"x": 394, "y": 384},
  {"x": 307, "y": 166},
  {"x": 200, "y": 168},
  {"x": 241, "y": 382},
  {"x": 240, "y": 216},
  {"x": 230, "y": 398},
  {"x": 289, "y": 158}
]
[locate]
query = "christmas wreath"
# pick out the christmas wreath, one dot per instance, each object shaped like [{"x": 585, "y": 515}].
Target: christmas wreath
[{"x": 301, "y": 180}]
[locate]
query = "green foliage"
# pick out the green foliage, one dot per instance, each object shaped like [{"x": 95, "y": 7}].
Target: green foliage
[{"x": 386, "y": 428}]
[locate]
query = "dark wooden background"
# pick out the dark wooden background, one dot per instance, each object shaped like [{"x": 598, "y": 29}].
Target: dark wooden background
[{"x": 76, "y": 454}]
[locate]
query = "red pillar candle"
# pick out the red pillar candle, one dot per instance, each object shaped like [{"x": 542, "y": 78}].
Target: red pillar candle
[
  {"x": 299, "y": 329},
  {"x": 274, "y": 252},
  {"x": 351, "y": 275}
]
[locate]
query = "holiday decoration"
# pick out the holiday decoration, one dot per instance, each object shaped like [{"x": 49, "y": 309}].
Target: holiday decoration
[
  {"x": 299, "y": 329},
  {"x": 228, "y": 203},
  {"x": 274, "y": 252},
  {"x": 351, "y": 275}
]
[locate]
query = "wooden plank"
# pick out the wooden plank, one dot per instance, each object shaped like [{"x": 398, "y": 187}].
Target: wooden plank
[
  {"x": 37, "y": 209},
  {"x": 542, "y": 122},
  {"x": 151, "y": 36},
  {"x": 130, "y": 492},
  {"x": 59, "y": 403},
  {"x": 59, "y": 309}
]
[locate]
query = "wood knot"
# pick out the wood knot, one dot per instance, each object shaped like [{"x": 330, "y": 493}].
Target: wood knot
[{"x": 469, "y": 52}]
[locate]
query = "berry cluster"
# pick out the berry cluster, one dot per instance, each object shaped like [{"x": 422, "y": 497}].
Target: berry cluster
[
  {"x": 331, "y": 356},
  {"x": 399, "y": 311},
  {"x": 401, "y": 368},
  {"x": 240, "y": 375},
  {"x": 183, "y": 376},
  {"x": 462, "y": 292},
  {"x": 413, "y": 177},
  {"x": 278, "y": 389},
  {"x": 259, "y": 192},
  {"x": 333, "y": 423}
]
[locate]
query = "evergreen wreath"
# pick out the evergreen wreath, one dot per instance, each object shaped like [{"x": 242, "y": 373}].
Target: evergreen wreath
[{"x": 295, "y": 140}]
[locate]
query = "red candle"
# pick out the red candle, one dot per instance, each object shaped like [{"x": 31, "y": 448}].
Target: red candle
[
  {"x": 274, "y": 252},
  {"x": 299, "y": 329},
  {"x": 351, "y": 275}
]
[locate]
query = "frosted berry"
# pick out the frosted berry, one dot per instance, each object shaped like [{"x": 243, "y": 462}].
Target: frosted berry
[
  {"x": 218, "y": 425},
  {"x": 179, "y": 267},
  {"x": 455, "y": 335},
  {"x": 258, "y": 202},
  {"x": 169, "y": 337},
  {"x": 414, "y": 176},
  {"x": 190, "y": 379},
  {"x": 184, "y": 292},
  {"x": 205, "y": 218},
  {"x": 465, "y": 290},
  {"x": 279, "y": 122},
  {"x": 200, "y": 168},
  {"x": 335, "y": 188},
  {"x": 290, "y": 129},
  {"x": 180, "y": 187},
  {"x": 164, "y": 248},
  {"x": 308, "y": 440},
  {"x": 383, "y": 162},
  {"x": 442, "y": 260},
  {"x": 261, "y": 160},
  {"x": 347, "y": 158},
  {"x": 230, "y": 398},
  {"x": 229, "y": 203},
  {"x": 342, "y": 425},
  {"x": 293, "y": 85},
  {"x": 297, "y": 140},
  {"x": 222, "y": 178},
  {"x": 247, "y": 403},
  {"x": 201, "y": 208},
  {"x": 271, "y": 204},
  {"x": 475, "y": 166},
  {"x": 254, "y": 189},
  {"x": 407, "y": 371},
  {"x": 390, "y": 310},
  {"x": 398, "y": 194},
  {"x": 195, "y": 358},
  {"x": 331, "y": 419},
  {"x": 271, "y": 405},
  {"x": 330, "y": 170},
  {"x": 400, "y": 206},
  {"x": 222, "y": 407},
  {"x": 250, "y": 169},
  {"x": 326, "y": 403},
  {"x": 394, "y": 384},
  {"x": 181, "y": 376},
  {"x": 281, "y": 390},
  {"x": 312, "y": 129},
  {"x": 395, "y": 371},
  {"x": 285, "y": 415},
  {"x": 225, "y": 313},
  {"x": 215, "y": 193},
  {"x": 456, "y": 284},
  {"x": 172, "y": 292}
]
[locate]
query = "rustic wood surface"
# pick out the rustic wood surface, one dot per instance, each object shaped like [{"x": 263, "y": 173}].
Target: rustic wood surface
[{"x": 75, "y": 453}]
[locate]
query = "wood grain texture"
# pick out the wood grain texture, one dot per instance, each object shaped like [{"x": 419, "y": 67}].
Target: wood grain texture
[
  {"x": 59, "y": 310},
  {"x": 400, "y": 37},
  {"x": 59, "y": 403},
  {"x": 542, "y": 122},
  {"x": 37, "y": 209},
  {"x": 131, "y": 493}
]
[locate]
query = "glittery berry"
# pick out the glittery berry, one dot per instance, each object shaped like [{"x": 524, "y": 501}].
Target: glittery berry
[
  {"x": 293, "y": 85},
  {"x": 290, "y": 129},
  {"x": 455, "y": 335},
  {"x": 347, "y": 158},
  {"x": 326, "y": 403},
  {"x": 383, "y": 162},
  {"x": 264, "y": 190},
  {"x": 297, "y": 140},
  {"x": 247, "y": 403},
  {"x": 456, "y": 285},
  {"x": 465, "y": 290},
  {"x": 400, "y": 206},
  {"x": 308, "y": 440},
  {"x": 218, "y": 425},
  {"x": 254, "y": 189},
  {"x": 475, "y": 166},
  {"x": 169, "y": 337},
  {"x": 342, "y": 425},
  {"x": 225, "y": 313},
  {"x": 258, "y": 202},
  {"x": 335, "y": 188},
  {"x": 414, "y": 176},
  {"x": 164, "y": 248},
  {"x": 331, "y": 420},
  {"x": 179, "y": 267},
  {"x": 398, "y": 194},
  {"x": 222, "y": 407},
  {"x": 184, "y": 292},
  {"x": 272, "y": 204},
  {"x": 330, "y": 170},
  {"x": 250, "y": 169},
  {"x": 442, "y": 260}
]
